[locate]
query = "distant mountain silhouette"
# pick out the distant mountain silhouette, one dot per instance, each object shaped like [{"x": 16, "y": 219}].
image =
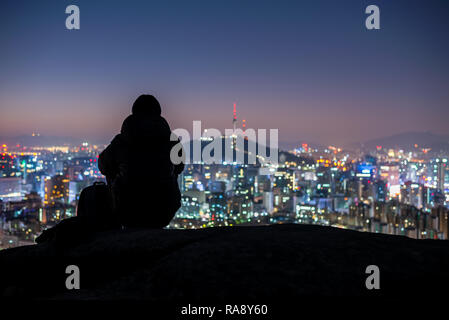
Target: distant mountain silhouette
[
  {"x": 290, "y": 145},
  {"x": 407, "y": 140},
  {"x": 204, "y": 143},
  {"x": 218, "y": 265},
  {"x": 282, "y": 155},
  {"x": 47, "y": 141},
  {"x": 290, "y": 157}
]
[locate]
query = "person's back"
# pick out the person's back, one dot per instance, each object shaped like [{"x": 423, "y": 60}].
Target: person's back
[{"x": 138, "y": 168}]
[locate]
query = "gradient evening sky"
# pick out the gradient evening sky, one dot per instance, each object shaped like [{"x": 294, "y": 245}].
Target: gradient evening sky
[{"x": 309, "y": 68}]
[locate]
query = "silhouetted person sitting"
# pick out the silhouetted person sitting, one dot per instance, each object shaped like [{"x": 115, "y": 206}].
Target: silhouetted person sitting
[
  {"x": 142, "y": 181},
  {"x": 138, "y": 168}
]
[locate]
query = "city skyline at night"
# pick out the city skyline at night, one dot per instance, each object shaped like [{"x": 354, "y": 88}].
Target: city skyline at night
[{"x": 224, "y": 159}]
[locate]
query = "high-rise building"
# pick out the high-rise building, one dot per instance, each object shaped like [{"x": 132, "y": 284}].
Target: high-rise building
[
  {"x": 8, "y": 166},
  {"x": 440, "y": 167},
  {"x": 56, "y": 190},
  {"x": 268, "y": 201},
  {"x": 10, "y": 189},
  {"x": 217, "y": 200}
]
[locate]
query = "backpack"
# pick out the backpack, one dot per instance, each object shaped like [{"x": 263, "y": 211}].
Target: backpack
[
  {"x": 95, "y": 212},
  {"x": 95, "y": 206}
]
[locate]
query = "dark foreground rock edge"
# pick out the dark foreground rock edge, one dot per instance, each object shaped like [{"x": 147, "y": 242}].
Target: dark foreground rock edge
[{"x": 262, "y": 263}]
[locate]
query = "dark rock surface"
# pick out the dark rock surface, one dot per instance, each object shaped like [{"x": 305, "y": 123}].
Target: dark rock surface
[{"x": 223, "y": 264}]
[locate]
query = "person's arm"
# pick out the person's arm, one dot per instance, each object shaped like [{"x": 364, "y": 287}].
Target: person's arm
[{"x": 105, "y": 161}]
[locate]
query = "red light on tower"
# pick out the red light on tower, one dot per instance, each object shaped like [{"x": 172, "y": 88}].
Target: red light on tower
[
  {"x": 244, "y": 128},
  {"x": 305, "y": 146},
  {"x": 234, "y": 119}
]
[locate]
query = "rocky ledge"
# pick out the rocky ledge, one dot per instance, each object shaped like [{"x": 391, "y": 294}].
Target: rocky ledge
[{"x": 223, "y": 264}]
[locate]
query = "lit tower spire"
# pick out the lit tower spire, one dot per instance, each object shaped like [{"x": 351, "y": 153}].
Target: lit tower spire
[
  {"x": 244, "y": 128},
  {"x": 234, "y": 123},
  {"x": 234, "y": 119}
]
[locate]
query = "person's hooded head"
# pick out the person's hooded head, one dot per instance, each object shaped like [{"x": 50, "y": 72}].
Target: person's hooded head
[
  {"x": 145, "y": 118},
  {"x": 146, "y": 105}
]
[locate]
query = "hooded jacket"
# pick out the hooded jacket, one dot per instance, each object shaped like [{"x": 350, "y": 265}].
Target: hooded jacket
[
  {"x": 137, "y": 164},
  {"x": 142, "y": 149}
]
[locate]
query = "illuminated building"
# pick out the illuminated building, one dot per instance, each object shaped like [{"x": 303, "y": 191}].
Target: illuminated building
[
  {"x": 380, "y": 190},
  {"x": 10, "y": 189},
  {"x": 390, "y": 173},
  {"x": 56, "y": 190},
  {"x": 240, "y": 207},
  {"x": 7, "y": 166},
  {"x": 187, "y": 178},
  {"x": 441, "y": 220},
  {"x": 190, "y": 208},
  {"x": 217, "y": 200},
  {"x": 268, "y": 201},
  {"x": 365, "y": 171},
  {"x": 323, "y": 187},
  {"x": 412, "y": 194},
  {"x": 28, "y": 164},
  {"x": 439, "y": 167}
]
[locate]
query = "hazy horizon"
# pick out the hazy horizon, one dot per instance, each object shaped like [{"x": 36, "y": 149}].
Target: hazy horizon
[{"x": 426, "y": 138}]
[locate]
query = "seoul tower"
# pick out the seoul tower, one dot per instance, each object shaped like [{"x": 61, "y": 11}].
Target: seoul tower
[
  {"x": 234, "y": 119},
  {"x": 234, "y": 123}
]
